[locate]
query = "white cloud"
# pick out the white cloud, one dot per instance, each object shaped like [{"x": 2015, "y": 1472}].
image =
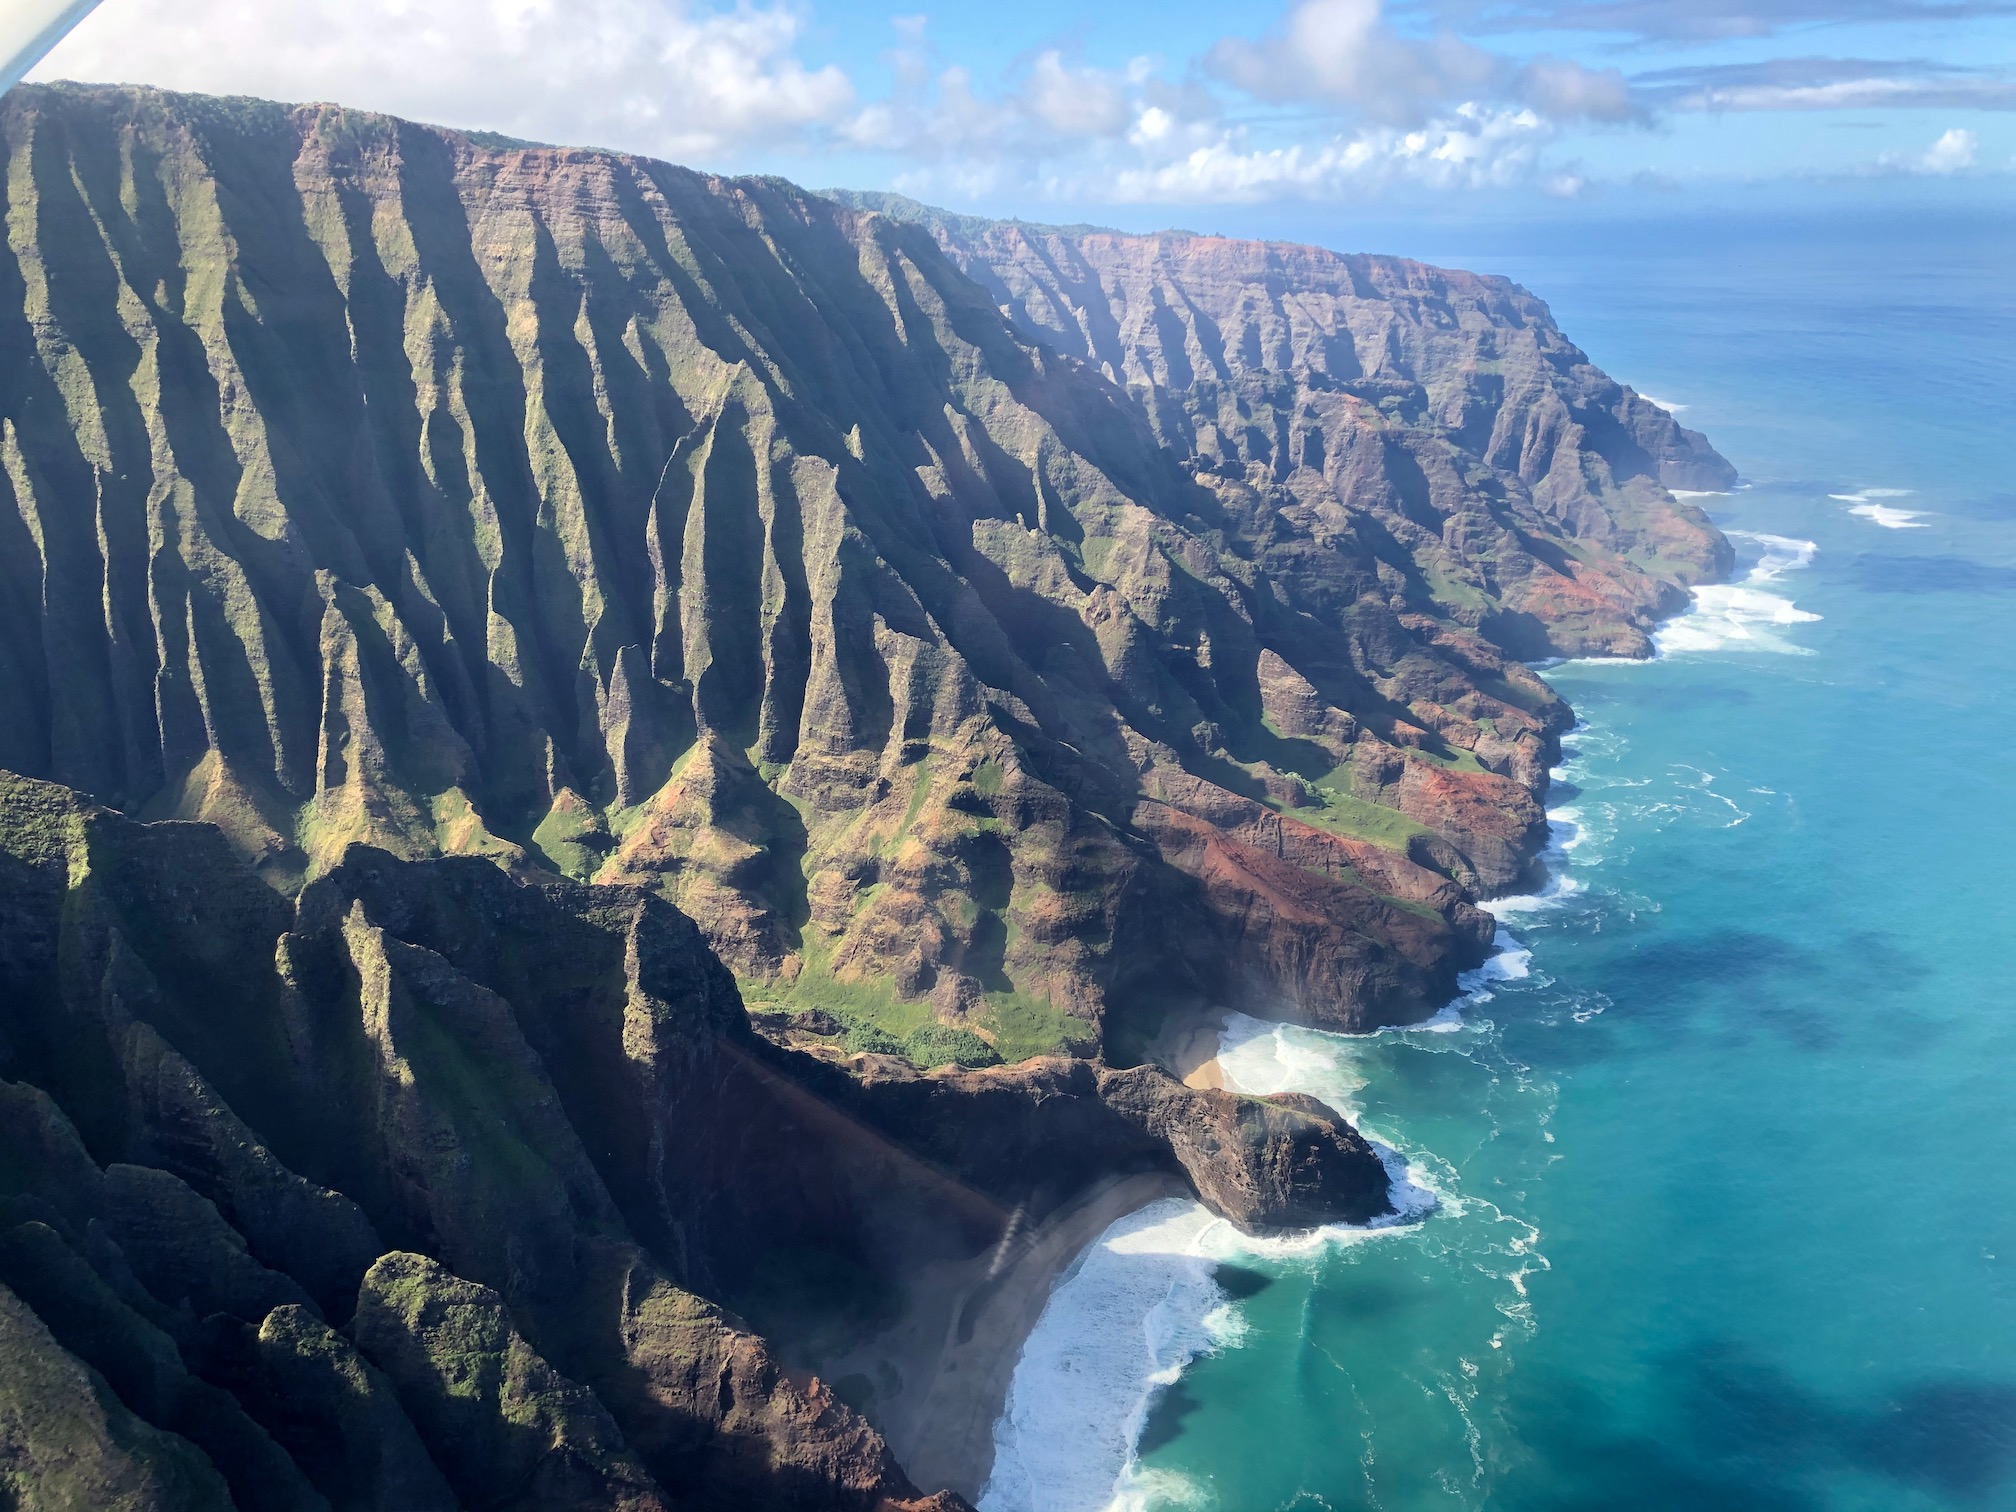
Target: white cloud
[
  {"x": 1474, "y": 146},
  {"x": 1052, "y": 108},
  {"x": 1855, "y": 94},
  {"x": 1567, "y": 91},
  {"x": 1330, "y": 97},
  {"x": 1346, "y": 53},
  {"x": 659, "y": 76},
  {"x": 1953, "y": 152},
  {"x": 1343, "y": 52},
  {"x": 1075, "y": 101},
  {"x": 1697, "y": 21},
  {"x": 1072, "y": 132}
]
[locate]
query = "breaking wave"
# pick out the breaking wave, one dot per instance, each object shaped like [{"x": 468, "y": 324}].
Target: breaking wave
[
  {"x": 1134, "y": 1311},
  {"x": 1124, "y": 1321},
  {"x": 1863, "y": 503},
  {"x": 1745, "y": 615}
]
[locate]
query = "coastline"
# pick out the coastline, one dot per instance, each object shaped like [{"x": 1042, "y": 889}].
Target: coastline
[
  {"x": 953, "y": 1446},
  {"x": 959, "y": 1343},
  {"x": 947, "y": 1444},
  {"x": 961, "y": 1340},
  {"x": 964, "y": 1335},
  {"x": 956, "y": 1348},
  {"x": 952, "y": 1355}
]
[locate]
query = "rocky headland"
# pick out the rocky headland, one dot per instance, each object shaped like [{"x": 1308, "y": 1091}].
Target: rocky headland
[{"x": 612, "y": 773}]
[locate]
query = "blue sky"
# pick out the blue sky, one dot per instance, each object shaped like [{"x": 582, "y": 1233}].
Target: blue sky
[{"x": 1157, "y": 113}]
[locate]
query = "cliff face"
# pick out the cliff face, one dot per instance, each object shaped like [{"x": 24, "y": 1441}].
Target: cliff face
[
  {"x": 435, "y": 1188},
  {"x": 1443, "y": 408},
  {"x": 363, "y": 482},
  {"x": 580, "y": 594}
]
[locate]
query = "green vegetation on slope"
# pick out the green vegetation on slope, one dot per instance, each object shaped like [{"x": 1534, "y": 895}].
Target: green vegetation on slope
[{"x": 1345, "y": 814}]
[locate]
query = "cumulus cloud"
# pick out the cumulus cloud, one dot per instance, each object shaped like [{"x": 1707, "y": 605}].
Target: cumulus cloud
[
  {"x": 1050, "y": 106},
  {"x": 1954, "y": 151},
  {"x": 1413, "y": 112},
  {"x": 659, "y": 76},
  {"x": 1344, "y": 52}
]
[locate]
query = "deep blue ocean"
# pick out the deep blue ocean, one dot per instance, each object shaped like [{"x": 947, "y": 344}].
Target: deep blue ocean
[{"x": 1716, "y": 1165}]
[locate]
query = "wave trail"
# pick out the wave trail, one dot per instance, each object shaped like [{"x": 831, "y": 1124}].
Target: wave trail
[{"x": 1889, "y": 519}]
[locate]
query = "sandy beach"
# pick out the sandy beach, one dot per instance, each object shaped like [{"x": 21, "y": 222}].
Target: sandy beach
[{"x": 1188, "y": 1047}]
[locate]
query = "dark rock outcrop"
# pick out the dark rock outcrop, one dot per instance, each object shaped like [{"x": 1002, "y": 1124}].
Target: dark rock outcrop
[
  {"x": 1282, "y": 1162},
  {"x": 511, "y": 1431}
]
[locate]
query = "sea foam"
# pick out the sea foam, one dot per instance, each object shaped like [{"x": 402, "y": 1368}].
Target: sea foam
[
  {"x": 1888, "y": 518},
  {"x": 1863, "y": 504},
  {"x": 1744, "y": 616},
  {"x": 1129, "y": 1315}
]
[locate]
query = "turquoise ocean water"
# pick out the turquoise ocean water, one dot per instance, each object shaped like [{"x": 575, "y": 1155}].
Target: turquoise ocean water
[{"x": 1716, "y": 1165}]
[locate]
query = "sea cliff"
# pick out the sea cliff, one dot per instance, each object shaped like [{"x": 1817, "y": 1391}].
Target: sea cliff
[{"x": 661, "y": 748}]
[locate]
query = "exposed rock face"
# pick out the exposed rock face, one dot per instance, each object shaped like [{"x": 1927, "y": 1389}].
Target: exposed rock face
[
  {"x": 1444, "y": 406},
  {"x": 512, "y": 1431},
  {"x": 435, "y": 1188},
  {"x": 363, "y": 482},
  {"x": 569, "y": 584}
]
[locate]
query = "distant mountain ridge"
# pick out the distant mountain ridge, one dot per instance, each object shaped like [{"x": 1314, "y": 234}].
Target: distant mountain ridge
[{"x": 1170, "y": 310}]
